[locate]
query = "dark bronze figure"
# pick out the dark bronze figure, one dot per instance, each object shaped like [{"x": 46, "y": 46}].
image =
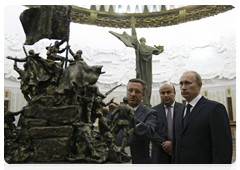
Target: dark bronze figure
[
  {"x": 63, "y": 103},
  {"x": 105, "y": 128},
  {"x": 92, "y": 93},
  {"x": 143, "y": 57},
  {"x": 53, "y": 50},
  {"x": 77, "y": 57},
  {"x": 120, "y": 118}
]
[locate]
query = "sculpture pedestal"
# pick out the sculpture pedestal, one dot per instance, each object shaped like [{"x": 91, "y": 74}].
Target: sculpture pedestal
[{"x": 68, "y": 166}]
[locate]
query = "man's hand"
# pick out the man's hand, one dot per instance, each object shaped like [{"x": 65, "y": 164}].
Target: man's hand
[
  {"x": 167, "y": 147},
  {"x": 112, "y": 106}
]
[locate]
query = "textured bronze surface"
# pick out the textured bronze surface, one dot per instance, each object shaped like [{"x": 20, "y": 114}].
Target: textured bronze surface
[
  {"x": 63, "y": 104},
  {"x": 46, "y": 21}
]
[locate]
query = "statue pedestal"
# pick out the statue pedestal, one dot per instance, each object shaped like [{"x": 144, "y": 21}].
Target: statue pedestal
[{"x": 68, "y": 166}]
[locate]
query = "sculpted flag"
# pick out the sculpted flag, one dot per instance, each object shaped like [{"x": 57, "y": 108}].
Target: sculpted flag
[{"x": 46, "y": 21}]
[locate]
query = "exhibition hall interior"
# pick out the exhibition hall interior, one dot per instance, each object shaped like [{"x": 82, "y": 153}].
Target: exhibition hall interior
[{"x": 202, "y": 40}]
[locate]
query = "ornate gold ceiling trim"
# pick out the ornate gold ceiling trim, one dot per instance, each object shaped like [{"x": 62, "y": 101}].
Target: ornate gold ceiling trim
[{"x": 145, "y": 20}]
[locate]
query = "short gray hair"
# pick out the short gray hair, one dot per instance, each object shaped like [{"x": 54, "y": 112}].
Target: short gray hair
[{"x": 138, "y": 80}]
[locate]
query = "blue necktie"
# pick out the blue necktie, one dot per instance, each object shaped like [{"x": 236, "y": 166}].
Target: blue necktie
[{"x": 187, "y": 114}]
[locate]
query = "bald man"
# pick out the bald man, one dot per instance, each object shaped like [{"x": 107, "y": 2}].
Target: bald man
[{"x": 162, "y": 140}]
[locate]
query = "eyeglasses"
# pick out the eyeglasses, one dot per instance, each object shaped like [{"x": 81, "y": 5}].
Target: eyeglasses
[{"x": 136, "y": 91}]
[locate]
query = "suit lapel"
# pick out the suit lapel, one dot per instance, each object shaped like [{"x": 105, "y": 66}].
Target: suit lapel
[
  {"x": 176, "y": 105},
  {"x": 200, "y": 104},
  {"x": 178, "y": 117},
  {"x": 139, "y": 112},
  {"x": 163, "y": 114}
]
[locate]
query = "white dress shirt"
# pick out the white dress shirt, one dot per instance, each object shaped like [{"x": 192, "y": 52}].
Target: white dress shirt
[
  {"x": 192, "y": 103},
  {"x": 172, "y": 108}
]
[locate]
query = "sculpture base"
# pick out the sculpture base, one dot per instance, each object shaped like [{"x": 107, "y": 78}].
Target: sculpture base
[{"x": 68, "y": 166}]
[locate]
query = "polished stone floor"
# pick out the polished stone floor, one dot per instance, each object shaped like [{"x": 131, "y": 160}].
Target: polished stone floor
[{"x": 235, "y": 147}]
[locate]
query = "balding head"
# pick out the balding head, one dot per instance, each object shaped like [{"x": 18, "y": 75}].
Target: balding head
[{"x": 167, "y": 94}]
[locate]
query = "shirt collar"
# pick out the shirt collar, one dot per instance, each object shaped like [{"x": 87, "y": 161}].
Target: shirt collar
[
  {"x": 194, "y": 101},
  {"x": 135, "y": 108}
]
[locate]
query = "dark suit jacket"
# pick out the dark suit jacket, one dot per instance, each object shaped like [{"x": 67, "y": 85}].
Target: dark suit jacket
[
  {"x": 159, "y": 156},
  {"x": 140, "y": 139},
  {"x": 206, "y": 138}
]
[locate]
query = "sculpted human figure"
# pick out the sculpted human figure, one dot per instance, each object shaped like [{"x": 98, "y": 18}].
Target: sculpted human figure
[
  {"x": 31, "y": 69},
  {"x": 143, "y": 57},
  {"x": 97, "y": 103},
  {"x": 37, "y": 70},
  {"x": 77, "y": 57},
  {"x": 53, "y": 50},
  {"x": 24, "y": 86},
  {"x": 89, "y": 97},
  {"x": 85, "y": 140},
  {"x": 104, "y": 128},
  {"x": 121, "y": 116}
]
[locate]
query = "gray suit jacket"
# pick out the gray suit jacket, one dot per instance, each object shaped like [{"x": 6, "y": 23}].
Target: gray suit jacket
[
  {"x": 140, "y": 139},
  {"x": 206, "y": 138},
  {"x": 159, "y": 156}
]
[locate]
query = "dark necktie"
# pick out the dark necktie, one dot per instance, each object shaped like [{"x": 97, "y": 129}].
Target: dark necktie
[
  {"x": 169, "y": 122},
  {"x": 187, "y": 114}
]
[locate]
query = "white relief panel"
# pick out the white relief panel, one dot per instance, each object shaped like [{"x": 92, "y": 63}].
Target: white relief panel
[
  {"x": 207, "y": 46},
  {"x": 210, "y": 55},
  {"x": 118, "y": 67}
]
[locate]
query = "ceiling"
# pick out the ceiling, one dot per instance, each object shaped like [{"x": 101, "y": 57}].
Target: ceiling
[
  {"x": 131, "y": 8},
  {"x": 146, "y": 16}
]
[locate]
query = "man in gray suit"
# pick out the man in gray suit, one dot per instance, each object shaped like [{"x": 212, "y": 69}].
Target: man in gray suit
[
  {"x": 162, "y": 139},
  {"x": 202, "y": 133},
  {"x": 146, "y": 122}
]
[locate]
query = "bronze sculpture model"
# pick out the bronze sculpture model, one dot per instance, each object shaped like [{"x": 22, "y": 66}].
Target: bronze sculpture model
[
  {"x": 143, "y": 58},
  {"x": 63, "y": 103},
  {"x": 120, "y": 121}
]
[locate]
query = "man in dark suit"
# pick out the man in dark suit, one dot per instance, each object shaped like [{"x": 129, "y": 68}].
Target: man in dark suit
[
  {"x": 162, "y": 139},
  {"x": 202, "y": 132},
  {"x": 146, "y": 122}
]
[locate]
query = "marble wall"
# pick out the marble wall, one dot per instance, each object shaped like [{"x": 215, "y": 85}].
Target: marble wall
[{"x": 207, "y": 46}]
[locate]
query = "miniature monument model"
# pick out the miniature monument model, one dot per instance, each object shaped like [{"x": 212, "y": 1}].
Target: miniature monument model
[
  {"x": 63, "y": 102},
  {"x": 143, "y": 58}
]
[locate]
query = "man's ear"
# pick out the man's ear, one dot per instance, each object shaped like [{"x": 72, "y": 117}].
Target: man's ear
[{"x": 200, "y": 85}]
